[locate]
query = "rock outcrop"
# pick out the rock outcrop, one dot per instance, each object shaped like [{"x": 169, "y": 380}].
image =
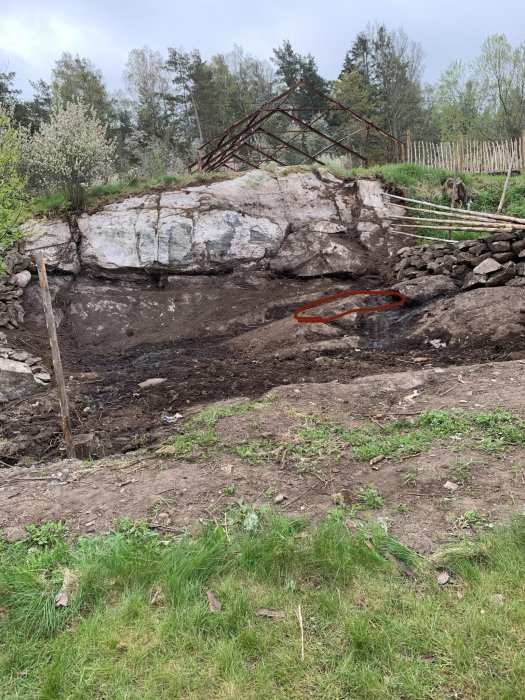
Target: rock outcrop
[{"x": 305, "y": 224}]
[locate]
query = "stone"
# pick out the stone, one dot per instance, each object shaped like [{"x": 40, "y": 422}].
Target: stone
[
  {"x": 478, "y": 249},
  {"x": 499, "y": 246},
  {"x": 498, "y": 278},
  {"x": 480, "y": 258},
  {"x": 503, "y": 236},
  {"x": 43, "y": 376},
  {"x": 516, "y": 282},
  {"x": 22, "y": 279},
  {"x": 459, "y": 271},
  {"x": 472, "y": 280},
  {"x": 425, "y": 288},
  {"x": 518, "y": 246},
  {"x": 521, "y": 254},
  {"x": 16, "y": 380},
  {"x": 503, "y": 257},
  {"x": 154, "y": 381},
  {"x": 487, "y": 266},
  {"x": 20, "y": 356},
  {"x": 520, "y": 269}
]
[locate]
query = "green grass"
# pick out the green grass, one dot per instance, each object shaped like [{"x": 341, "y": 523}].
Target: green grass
[
  {"x": 55, "y": 203},
  {"x": 200, "y": 432},
  {"x": 426, "y": 184},
  {"x": 492, "y": 431},
  {"x": 139, "y": 626}
]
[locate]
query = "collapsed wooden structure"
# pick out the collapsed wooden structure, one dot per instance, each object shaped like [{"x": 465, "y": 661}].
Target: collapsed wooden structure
[{"x": 292, "y": 128}]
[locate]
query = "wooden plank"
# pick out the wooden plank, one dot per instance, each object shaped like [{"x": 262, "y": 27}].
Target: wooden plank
[{"x": 55, "y": 353}]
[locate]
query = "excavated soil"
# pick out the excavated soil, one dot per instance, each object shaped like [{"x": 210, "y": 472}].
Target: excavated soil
[{"x": 219, "y": 338}]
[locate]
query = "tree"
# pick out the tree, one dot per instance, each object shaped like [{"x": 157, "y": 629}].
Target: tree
[
  {"x": 457, "y": 103},
  {"x": 148, "y": 83},
  {"x": 500, "y": 74},
  {"x": 76, "y": 79},
  {"x": 390, "y": 66},
  {"x": 8, "y": 93},
  {"x": 293, "y": 68},
  {"x": 12, "y": 185},
  {"x": 71, "y": 153}
]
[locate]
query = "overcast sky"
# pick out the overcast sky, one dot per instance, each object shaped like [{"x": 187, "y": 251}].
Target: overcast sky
[{"x": 33, "y": 34}]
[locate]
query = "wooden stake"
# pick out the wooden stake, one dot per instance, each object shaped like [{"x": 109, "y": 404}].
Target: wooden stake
[
  {"x": 55, "y": 353},
  {"x": 505, "y": 186}
]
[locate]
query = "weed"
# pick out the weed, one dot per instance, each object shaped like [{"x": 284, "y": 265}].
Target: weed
[
  {"x": 229, "y": 489},
  {"x": 470, "y": 518},
  {"x": 401, "y": 508},
  {"x": 258, "y": 451},
  {"x": 517, "y": 469},
  {"x": 409, "y": 478},
  {"x": 370, "y": 497},
  {"x": 460, "y": 471},
  {"x": 270, "y": 492},
  {"x": 244, "y": 515},
  {"x": 47, "y": 534}
]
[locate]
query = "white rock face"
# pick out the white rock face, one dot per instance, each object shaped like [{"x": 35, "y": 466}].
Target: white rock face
[
  {"x": 53, "y": 239},
  {"x": 16, "y": 380},
  {"x": 305, "y": 223}
]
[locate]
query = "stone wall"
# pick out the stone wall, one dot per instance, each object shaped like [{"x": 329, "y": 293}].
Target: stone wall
[
  {"x": 492, "y": 261},
  {"x": 12, "y": 287}
]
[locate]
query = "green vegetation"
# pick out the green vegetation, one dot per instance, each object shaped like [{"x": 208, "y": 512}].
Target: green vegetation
[
  {"x": 200, "y": 431},
  {"x": 490, "y": 431},
  {"x": 135, "y": 619},
  {"x": 12, "y": 185},
  {"x": 419, "y": 182}
]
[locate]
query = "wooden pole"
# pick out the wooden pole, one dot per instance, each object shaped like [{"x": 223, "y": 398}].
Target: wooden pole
[
  {"x": 506, "y": 185},
  {"x": 409, "y": 146},
  {"x": 55, "y": 353},
  {"x": 523, "y": 151}
]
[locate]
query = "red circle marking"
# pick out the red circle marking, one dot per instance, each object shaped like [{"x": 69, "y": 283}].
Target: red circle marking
[{"x": 362, "y": 309}]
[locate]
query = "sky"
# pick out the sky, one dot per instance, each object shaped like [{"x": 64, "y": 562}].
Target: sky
[{"x": 33, "y": 34}]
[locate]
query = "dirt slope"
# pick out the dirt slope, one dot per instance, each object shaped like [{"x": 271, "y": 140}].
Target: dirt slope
[{"x": 175, "y": 492}]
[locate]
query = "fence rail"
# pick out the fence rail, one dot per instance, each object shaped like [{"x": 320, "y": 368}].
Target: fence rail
[{"x": 469, "y": 156}]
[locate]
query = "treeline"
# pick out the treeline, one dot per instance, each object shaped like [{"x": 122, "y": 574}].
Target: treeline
[{"x": 170, "y": 104}]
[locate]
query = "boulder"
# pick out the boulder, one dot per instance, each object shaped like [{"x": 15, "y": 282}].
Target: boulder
[
  {"x": 16, "y": 380},
  {"x": 426, "y": 288},
  {"x": 487, "y": 266}
]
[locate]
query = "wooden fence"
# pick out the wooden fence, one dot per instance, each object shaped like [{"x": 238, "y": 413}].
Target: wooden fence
[{"x": 469, "y": 156}]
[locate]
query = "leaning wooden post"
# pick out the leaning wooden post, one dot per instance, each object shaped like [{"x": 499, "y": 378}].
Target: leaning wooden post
[
  {"x": 55, "y": 353},
  {"x": 523, "y": 151}
]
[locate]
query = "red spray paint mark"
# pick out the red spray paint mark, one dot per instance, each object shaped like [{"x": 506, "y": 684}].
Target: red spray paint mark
[{"x": 326, "y": 319}]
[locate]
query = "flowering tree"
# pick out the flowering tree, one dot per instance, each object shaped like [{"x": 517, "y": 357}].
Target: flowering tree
[
  {"x": 71, "y": 153},
  {"x": 12, "y": 185}
]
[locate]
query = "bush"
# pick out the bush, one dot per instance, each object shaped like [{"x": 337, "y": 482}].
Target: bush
[
  {"x": 12, "y": 185},
  {"x": 71, "y": 153}
]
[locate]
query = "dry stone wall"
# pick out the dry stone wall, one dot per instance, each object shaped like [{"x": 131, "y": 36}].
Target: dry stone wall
[{"x": 492, "y": 261}]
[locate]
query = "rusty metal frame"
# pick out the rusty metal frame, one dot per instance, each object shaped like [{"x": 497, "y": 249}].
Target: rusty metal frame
[{"x": 234, "y": 144}]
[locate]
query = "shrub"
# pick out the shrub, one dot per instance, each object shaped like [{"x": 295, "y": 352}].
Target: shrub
[
  {"x": 71, "y": 153},
  {"x": 12, "y": 185}
]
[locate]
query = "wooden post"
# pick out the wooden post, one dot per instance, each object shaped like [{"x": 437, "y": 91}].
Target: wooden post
[
  {"x": 506, "y": 185},
  {"x": 523, "y": 151},
  {"x": 461, "y": 155},
  {"x": 409, "y": 146},
  {"x": 55, "y": 353}
]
